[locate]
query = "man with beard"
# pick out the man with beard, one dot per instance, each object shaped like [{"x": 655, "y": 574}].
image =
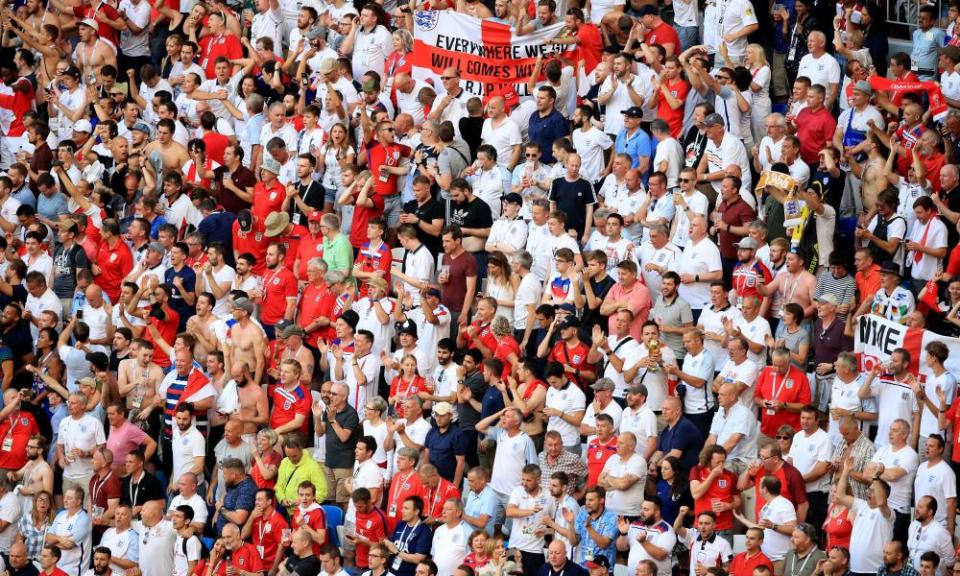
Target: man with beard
[
  {"x": 246, "y": 338},
  {"x": 252, "y": 408},
  {"x": 238, "y": 501},
  {"x": 137, "y": 381},
  {"x": 36, "y": 475},
  {"x": 594, "y": 529},
  {"x": 926, "y": 534},
  {"x": 189, "y": 447},
  {"x": 648, "y": 537},
  {"x": 101, "y": 562},
  {"x": 17, "y": 428},
  {"x": 215, "y": 276}
]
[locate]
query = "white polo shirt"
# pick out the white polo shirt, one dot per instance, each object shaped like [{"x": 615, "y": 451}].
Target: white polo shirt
[{"x": 809, "y": 450}]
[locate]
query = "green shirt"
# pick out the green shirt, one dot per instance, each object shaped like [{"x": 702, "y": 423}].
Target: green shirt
[{"x": 338, "y": 254}]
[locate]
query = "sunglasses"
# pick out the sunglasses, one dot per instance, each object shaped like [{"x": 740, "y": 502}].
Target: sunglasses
[
  {"x": 447, "y": 78},
  {"x": 783, "y": 437},
  {"x": 686, "y": 179},
  {"x": 531, "y": 155}
]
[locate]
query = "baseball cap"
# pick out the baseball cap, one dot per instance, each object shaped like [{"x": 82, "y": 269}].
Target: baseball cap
[
  {"x": 270, "y": 165},
  {"x": 599, "y": 561},
  {"x": 829, "y": 299},
  {"x": 441, "y": 408},
  {"x": 142, "y": 127},
  {"x": 378, "y": 282},
  {"x": 890, "y": 267},
  {"x": 291, "y": 330},
  {"x": 351, "y": 318},
  {"x": 570, "y": 322},
  {"x": 432, "y": 291},
  {"x": 713, "y": 120},
  {"x": 243, "y": 304},
  {"x": 407, "y": 327},
  {"x": 83, "y": 125},
  {"x": 315, "y": 216},
  {"x": 245, "y": 220},
  {"x": 370, "y": 85},
  {"x": 866, "y": 88},
  {"x": 328, "y": 65},
  {"x": 633, "y": 112},
  {"x": 119, "y": 88},
  {"x": 747, "y": 243},
  {"x": 566, "y": 307},
  {"x": 89, "y": 22}
]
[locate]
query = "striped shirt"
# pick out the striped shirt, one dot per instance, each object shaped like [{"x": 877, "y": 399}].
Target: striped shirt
[
  {"x": 172, "y": 388},
  {"x": 844, "y": 288}
]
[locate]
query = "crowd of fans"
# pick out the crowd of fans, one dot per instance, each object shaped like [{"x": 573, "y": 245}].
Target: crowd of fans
[{"x": 275, "y": 302}]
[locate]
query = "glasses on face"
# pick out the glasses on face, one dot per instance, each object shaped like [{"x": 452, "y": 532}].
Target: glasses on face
[
  {"x": 531, "y": 155},
  {"x": 686, "y": 179},
  {"x": 445, "y": 78},
  {"x": 780, "y": 437}
]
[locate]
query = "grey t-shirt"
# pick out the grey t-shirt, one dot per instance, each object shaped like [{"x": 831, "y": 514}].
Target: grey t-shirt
[
  {"x": 793, "y": 340},
  {"x": 454, "y": 158},
  {"x": 66, "y": 262},
  {"x": 675, "y": 314}
]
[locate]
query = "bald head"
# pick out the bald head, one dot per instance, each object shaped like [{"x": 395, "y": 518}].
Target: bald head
[{"x": 152, "y": 512}]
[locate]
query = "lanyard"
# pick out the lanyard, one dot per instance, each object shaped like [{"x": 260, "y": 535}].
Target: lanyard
[
  {"x": 262, "y": 529},
  {"x": 98, "y": 487},
  {"x": 405, "y": 537},
  {"x": 435, "y": 497},
  {"x": 793, "y": 569},
  {"x": 399, "y": 488},
  {"x": 135, "y": 493},
  {"x": 14, "y": 421},
  {"x": 776, "y": 391}
]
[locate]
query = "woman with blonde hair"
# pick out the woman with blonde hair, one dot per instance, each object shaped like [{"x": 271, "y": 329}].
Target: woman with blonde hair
[
  {"x": 266, "y": 459},
  {"x": 407, "y": 383},
  {"x": 500, "y": 285},
  {"x": 507, "y": 349},
  {"x": 331, "y": 158},
  {"x": 400, "y": 59},
  {"x": 756, "y": 62},
  {"x": 33, "y": 526}
]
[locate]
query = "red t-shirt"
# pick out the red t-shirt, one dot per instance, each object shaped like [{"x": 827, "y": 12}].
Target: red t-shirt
[
  {"x": 502, "y": 351},
  {"x": 743, "y": 565},
  {"x": 723, "y": 489},
  {"x": 272, "y": 458},
  {"x": 213, "y": 47},
  {"x": 575, "y": 357},
  {"x": 168, "y": 331},
  {"x": 815, "y": 131},
  {"x": 793, "y": 388},
  {"x": 484, "y": 334},
  {"x": 278, "y": 285},
  {"x": 307, "y": 249},
  {"x": 380, "y": 155},
  {"x": 746, "y": 278},
  {"x": 679, "y": 90},
  {"x": 361, "y": 216},
  {"x": 402, "y": 487},
  {"x": 291, "y": 242},
  {"x": 267, "y": 199},
  {"x": 316, "y": 519},
  {"x": 255, "y": 242},
  {"x": 266, "y": 536},
  {"x": 373, "y": 259},
  {"x": 590, "y": 47},
  {"x": 433, "y": 499},
  {"x": 373, "y": 527},
  {"x": 19, "y": 103},
  {"x": 246, "y": 558},
  {"x": 597, "y": 455},
  {"x": 317, "y": 302},
  {"x": 792, "y": 486},
  {"x": 662, "y": 35},
  {"x": 953, "y": 417},
  {"x": 216, "y": 144},
  {"x": 932, "y": 165},
  {"x": 287, "y": 404},
  {"x": 114, "y": 263},
  {"x": 838, "y": 529},
  {"x": 18, "y": 428},
  {"x": 908, "y": 138},
  {"x": 896, "y": 96},
  {"x": 401, "y": 389},
  {"x": 104, "y": 30}
]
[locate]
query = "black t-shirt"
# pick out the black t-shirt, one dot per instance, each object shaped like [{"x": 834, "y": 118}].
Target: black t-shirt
[
  {"x": 341, "y": 454},
  {"x": 308, "y": 566},
  {"x": 149, "y": 488},
  {"x": 572, "y": 198},
  {"x": 593, "y": 317},
  {"x": 475, "y": 214},
  {"x": 952, "y": 200},
  {"x": 471, "y": 129},
  {"x": 428, "y": 213},
  {"x": 312, "y": 196},
  {"x": 694, "y": 144},
  {"x": 18, "y": 294},
  {"x": 467, "y": 416},
  {"x": 66, "y": 262}
]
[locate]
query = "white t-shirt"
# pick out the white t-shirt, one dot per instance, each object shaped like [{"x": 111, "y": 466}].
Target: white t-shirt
[
  {"x": 779, "y": 511},
  {"x": 158, "y": 542},
  {"x": 671, "y": 152},
  {"x": 78, "y": 528},
  {"x": 700, "y": 258},
  {"x": 660, "y": 535},
  {"x": 125, "y": 545},
  {"x": 612, "y": 410},
  {"x": 745, "y": 372},
  {"x": 697, "y": 203},
  {"x": 181, "y": 566},
  {"x": 642, "y": 422},
  {"x": 618, "y": 102},
  {"x": 843, "y": 395},
  {"x": 808, "y": 451},
  {"x": 894, "y": 400},
  {"x": 529, "y": 292},
  {"x": 626, "y": 502},
  {"x": 823, "y": 70},
  {"x": 368, "y": 475},
  {"x": 932, "y": 537},
  {"x": 84, "y": 433},
  {"x": 567, "y": 401},
  {"x": 370, "y": 50},
  {"x": 730, "y": 151},
  {"x": 756, "y": 332},
  {"x": 871, "y": 532},
  {"x": 523, "y": 535},
  {"x": 503, "y": 137},
  {"x": 900, "y": 489},
  {"x": 739, "y": 420},
  {"x": 928, "y": 420},
  {"x": 9, "y": 512},
  {"x": 417, "y": 432},
  {"x": 712, "y": 321},
  {"x": 186, "y": 446},
  {"x": 450, "y": 547},
  {"x": 939, "y": 482},
  {"x": 512, "y": 454},
  {"x": 138, "y": 13},
  {"x": 933, "y": 234},
  {"x": 590, "y": 145},
  {"x": 196, "y": 502}
]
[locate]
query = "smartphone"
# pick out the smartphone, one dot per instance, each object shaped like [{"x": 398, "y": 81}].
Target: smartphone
[{"x": 79, "y": 314}]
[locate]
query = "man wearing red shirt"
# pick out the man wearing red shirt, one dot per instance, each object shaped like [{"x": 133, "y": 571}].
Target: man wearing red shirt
[
  {"x": 279, "y": 230},
  {"x": 659, "y": 32},
  {"x": 371, "y": 526},
  {"x": 478, "y": 334},
  {"x": 771, "y": 463},
  {"x": 232, "y": 554},
  {"x": 782, "y": 391},
  {"x": 279, "y": 290},
  {"x": 216, "y": 143},
  {"x": 908, "y": 133},
  {"x": 406, "y": 483},
  {"x": 249, "y": 236},
  {"x": 19, "y": 103},
  {"x": 375, "y": 258},
  {"x": 749, "y": 272},
  {"x": 367, "y": 206},
  {"x": 218, "y": 43},
  {"x": 316, "y": 308},
  {"x": 49, "y": 557},
  {"x": 814, "y": 126},
  {"x": 868, "y": 273},
  {"x": 569, "y": 351},
  {"x": 670, "y": 95},
  {"x": 310, "y": 516},
  {"x": 291, "y": 402},
  {"x": 586, "y": 38},
  {"x": 266, "y": 530},
  {"x": 387, "y": 161},
  {"x": 16, "y": 428},
  {"x": 600, "y": 448},
  {"x": 269, "y": 193},
  {"x": 310, "y": 246},
  {"x": 714, "y": 488},
  {"x": 114, "y": 260},
  {"x": 162, "y": 320},
  {"x": 100, "y": 12},
  {"x": 438, "y": 490},
  {"x": 745, "y": 562}
]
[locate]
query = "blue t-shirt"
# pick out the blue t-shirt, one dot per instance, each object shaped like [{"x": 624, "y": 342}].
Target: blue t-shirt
[
  {"x": 413, "y": 540},
  {"x": 605, "y": 525},
  {"x": 684, "y": 437},
  {"x": 177, "y": 302},
  {"x": 444, "y": 448},
  {"x": 483, "y": 503}
]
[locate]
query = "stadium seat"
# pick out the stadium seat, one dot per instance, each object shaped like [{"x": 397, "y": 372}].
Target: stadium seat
[
  {"x": 334, "y": 520},
  {"x": 739, "y": 543}
]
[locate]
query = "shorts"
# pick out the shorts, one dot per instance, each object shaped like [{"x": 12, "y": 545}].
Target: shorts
[
  {"x": 392, "y": 207},
  {"x": 778, "y": 69},
  {"x": 329, "y": 195},
  {"x": 337, "y": 484}
]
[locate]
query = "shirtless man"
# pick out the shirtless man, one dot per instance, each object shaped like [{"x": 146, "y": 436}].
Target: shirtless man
[
  {"x": 293, "y": 349},
  {"x": 36, "y": 475},
  {"x": 871, "y": 173},
  {"x": 795, "y": 284},
  {"x": 207, "y": 328},
  {"x": 247, "y": 339},
  {"x": 173, "y": 154},
  {"x": 137, "y": 380},
  {"x": 92, "y": 53},
  {"x": 254, "y": 410},
  {"x": 39, "y": 31}
]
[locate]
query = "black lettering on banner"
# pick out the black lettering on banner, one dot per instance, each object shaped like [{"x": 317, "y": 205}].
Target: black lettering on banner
[{"x": 885, "y": 336}]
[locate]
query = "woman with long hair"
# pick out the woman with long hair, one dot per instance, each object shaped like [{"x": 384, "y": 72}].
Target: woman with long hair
[
  {"x": 500, "y": 285},
  {"x": 760, "y": 74},
  {"x": 501, "y": 563},
  {"x": 334, "y": 156},
  {"x": 407, "y": 383},
  {"x": 838, "y": 524},
  {"x": 400, "y": 59},
  {"x": 33, "y": 526},
  {"x": 797, "y": 30},
  {"x": 507, "y": 349},
  {"x": 792, "y": 335},
  {"x": 266, "y": 459},
  {"x": 874, "y": 26},
  {"x": 673, "y": 489},
  {"x": 48, "y": 363}
]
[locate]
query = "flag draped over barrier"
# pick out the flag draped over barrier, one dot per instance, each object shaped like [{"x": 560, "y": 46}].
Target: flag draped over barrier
[{"x": 875, "y": 338}]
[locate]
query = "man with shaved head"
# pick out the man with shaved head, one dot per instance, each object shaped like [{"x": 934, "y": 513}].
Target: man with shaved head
[
  {"x": 501, "y": 132},
  {"x": 302, "y": 561},
  {"x": 157, "y": 540},
  {"x": 408, "y": 91}
]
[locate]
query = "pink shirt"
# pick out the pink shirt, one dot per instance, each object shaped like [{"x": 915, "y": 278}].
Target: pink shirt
[
  {"x": 124, "y": 440},
  {"x": 640, "y": 304}
]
